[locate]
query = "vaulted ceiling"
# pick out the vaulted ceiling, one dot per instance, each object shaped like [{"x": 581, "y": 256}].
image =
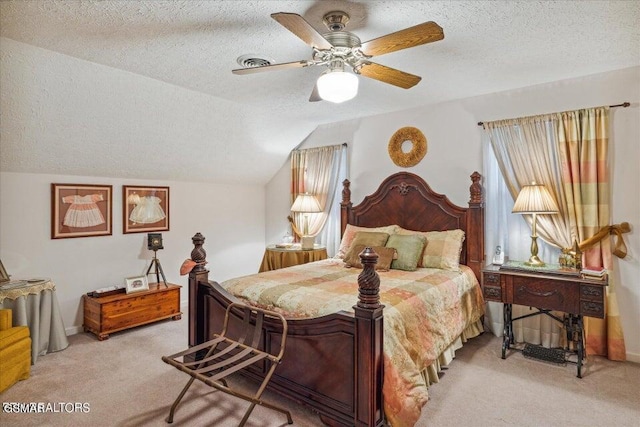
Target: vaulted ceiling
[{"x": 489, "y": 46}]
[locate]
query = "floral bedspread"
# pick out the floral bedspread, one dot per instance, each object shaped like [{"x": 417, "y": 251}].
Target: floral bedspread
[{"x": 425, "y": 311}]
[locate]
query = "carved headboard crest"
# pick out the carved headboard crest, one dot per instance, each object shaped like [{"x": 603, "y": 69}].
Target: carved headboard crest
[{"x": 403, "y": 188}]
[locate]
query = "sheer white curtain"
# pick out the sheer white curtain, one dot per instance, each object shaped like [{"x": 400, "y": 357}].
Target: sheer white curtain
[
  {"x": 320, "y": 172},
  {"x": 330, "y": 236},
  {"x": 512, "y": 233}
]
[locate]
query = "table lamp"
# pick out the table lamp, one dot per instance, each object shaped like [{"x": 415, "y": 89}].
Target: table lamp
[
  {"x": 305, "y": 204},
  {"x": 535, "y": 199}
]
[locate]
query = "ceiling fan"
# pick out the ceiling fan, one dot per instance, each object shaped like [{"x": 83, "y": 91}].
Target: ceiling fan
[{"x": 340, "y": 50}]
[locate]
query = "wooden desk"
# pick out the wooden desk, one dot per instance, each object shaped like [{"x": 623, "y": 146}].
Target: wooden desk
[
  {"x": 275, "y": 258},
  {"x": 548, "y": 290},
  {"x": 34, "y": 304}
]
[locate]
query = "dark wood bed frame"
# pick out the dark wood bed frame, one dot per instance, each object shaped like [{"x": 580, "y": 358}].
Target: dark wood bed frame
[{"x": 333, "y": 364}]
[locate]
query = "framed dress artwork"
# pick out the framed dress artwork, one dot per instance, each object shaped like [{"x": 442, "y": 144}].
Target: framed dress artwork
[
  {"x": 80, "y": 210},
  {"x": 145, "y": 209}
]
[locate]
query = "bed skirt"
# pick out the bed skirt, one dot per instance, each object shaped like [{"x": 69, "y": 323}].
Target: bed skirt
[{"x": 430, "y": 374}]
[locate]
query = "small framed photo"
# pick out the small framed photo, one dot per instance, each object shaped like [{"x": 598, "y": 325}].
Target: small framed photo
[
  {"x": 136, "y": 284},
  {"x": 145, "y": 209},
  {"x": 80, "y": 210},
  {"x": 4, "y": 276}
]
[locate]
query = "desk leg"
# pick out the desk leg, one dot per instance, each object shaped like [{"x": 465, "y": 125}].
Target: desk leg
[
  {"x": 507, "y": 333},
  {"x": 580, "y": 338},
  {"x": 568, "y": 327},
  {"x": 575, "y": 334}
]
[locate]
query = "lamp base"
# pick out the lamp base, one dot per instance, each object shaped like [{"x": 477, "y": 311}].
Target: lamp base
[
  {"x": 534, "y": 261},
  {"x": 307, "y": 242}
]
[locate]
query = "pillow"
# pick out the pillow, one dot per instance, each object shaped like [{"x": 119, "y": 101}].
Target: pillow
[
  {"x": 369, "y": 238},
  {"x": 409, "y": 249},
  {"x": 443, "y": 249},
  {"x": 385, "y": 256},
  {"x": 350, "y": 233}
]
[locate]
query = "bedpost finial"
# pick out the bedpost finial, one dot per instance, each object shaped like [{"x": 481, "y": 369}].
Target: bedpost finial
[
  {"x": 476, "y": 188},
  {"x": 368, "y": 280},
  {"x": 198, "y": 254},
  {"x": 346, "y": 191}
]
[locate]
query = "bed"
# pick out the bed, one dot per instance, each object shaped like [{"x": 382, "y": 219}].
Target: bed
[{"x": 335, "y": 361}]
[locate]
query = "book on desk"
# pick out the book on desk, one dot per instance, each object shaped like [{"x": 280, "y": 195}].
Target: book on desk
[
  {"x": 594, "y": 273},
  {"x": 555, "y": 269}
]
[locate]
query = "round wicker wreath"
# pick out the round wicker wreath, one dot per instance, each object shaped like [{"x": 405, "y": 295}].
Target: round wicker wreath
[{"x": 417, "y": 152}]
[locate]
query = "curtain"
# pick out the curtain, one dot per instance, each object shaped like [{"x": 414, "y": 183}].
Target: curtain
[
  {"x": 319, "y": 171},
  {"x": 526, "y": 151},
  {"x": 583, "y": 142},
  {"x": 568, "y": 153},
  {"x": 513, "y": 234}
]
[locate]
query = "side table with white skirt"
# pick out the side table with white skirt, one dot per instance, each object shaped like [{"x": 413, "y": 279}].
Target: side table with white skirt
[{"x": 34, "y": 304}]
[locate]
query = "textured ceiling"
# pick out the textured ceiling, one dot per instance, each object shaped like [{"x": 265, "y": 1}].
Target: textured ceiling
[{"x": 489, "y": 46}]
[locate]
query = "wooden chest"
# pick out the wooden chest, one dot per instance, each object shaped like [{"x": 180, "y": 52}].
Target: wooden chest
[{"x": 108, "y": 314}]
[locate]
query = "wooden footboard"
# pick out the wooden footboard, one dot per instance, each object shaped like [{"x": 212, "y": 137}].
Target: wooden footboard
[{"x": 332, "y": 364}]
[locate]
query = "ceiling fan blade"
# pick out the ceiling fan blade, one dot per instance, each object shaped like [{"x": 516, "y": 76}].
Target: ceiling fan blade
[
  {"x": 272, "y": 67},
  {"x": 301, "y": 28},
  {"x": 315, "y": 95},
  {"x": 389, "y": 75},
  {"x": 409, "y": 37}
]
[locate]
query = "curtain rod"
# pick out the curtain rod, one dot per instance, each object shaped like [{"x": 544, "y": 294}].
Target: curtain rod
[{"x": 624, "y": 105}]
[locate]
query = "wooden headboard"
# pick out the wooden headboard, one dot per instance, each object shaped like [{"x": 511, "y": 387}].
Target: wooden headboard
[{"x": 407, "y": 200}]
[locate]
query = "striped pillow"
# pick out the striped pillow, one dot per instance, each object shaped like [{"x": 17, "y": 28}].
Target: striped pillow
[{"x": 442, "y": 249}]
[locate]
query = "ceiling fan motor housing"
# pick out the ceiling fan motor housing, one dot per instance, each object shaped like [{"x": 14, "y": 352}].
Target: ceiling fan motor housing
[
  {"x": 345, "y": 49},
  {"x": 336, "y": 20}
]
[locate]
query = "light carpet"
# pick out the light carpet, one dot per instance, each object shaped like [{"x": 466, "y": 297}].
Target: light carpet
[{"x": 123, "y": 382}]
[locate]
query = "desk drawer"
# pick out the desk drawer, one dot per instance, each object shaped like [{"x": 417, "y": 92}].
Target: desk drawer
[
  {"x": 592, "y": 309},
  {"x": 491, "y": 288},
  {"x": 592, "y": 300},
  {"x": 546, "y": 294},
  {"x": 592, "y": 293}
]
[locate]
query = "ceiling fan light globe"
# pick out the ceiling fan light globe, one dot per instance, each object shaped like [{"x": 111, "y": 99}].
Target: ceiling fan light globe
[{"x": 337, "y": 86}]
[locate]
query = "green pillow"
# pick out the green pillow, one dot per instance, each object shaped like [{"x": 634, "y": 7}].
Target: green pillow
[{"x": 409, "y": 249}]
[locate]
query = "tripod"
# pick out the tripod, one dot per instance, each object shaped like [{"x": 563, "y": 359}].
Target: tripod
[{"x": 158, "y": 270}]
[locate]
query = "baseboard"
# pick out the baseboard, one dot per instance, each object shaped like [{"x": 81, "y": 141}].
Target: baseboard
[
  {"x": 633, "y": 357},
  {"x": 72, "y": 330}
]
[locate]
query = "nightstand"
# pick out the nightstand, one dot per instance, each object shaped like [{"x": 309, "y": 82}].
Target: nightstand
[
  {"x": 549, "y": 289},
  {"x": 275, "y": 258}
]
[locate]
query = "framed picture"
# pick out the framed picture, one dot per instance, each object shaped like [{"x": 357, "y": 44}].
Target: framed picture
[
  {"x": 4, "y": 276},
  {"x": 137, "y": 284},
  {"x": 145, "y": 209},
  {"x": 80, "y": 210}
]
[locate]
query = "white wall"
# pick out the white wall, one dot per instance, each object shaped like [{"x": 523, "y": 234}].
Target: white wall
[
  {"x": 231, "y": 217},
  {"x": 52, "y": 107},
  {"x": 454, "y": 152}
]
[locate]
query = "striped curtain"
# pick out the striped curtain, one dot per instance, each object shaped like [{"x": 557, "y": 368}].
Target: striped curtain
[{"x": 583, "y": 152}]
